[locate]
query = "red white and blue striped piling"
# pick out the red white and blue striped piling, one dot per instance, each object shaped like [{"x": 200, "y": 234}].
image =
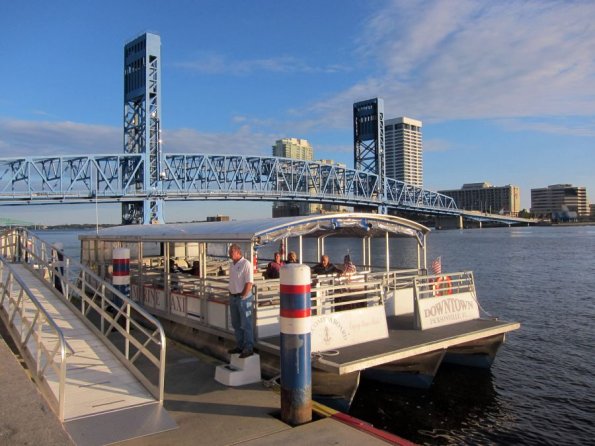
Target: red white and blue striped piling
[
  {"x": 121, "y": 272},
  {"x": 296, "y": 368}
]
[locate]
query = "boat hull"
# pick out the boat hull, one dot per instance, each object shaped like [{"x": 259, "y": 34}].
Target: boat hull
[
  {"x": 416, "y": 371},
  {"x": 480, "y": 353}
]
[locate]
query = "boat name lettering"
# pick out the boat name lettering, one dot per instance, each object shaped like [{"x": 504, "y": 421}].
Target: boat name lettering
[{"x": 449, "y": 305}]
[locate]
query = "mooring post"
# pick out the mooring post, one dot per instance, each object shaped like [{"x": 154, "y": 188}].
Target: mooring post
[
  {"x": 296, "y": 366},
  {"x": 121, "y": 273}
]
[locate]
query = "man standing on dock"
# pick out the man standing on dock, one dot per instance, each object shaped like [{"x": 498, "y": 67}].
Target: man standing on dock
[{"x": 241, "y": 278}]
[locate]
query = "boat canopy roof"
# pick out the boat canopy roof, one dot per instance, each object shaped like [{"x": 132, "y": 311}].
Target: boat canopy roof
[{"x": 267, "y": 230}]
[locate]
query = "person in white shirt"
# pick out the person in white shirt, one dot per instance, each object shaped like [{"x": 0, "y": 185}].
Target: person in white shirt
[{"x": 241, "y": 278}]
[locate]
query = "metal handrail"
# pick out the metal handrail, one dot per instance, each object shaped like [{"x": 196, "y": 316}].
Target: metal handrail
[
  {"x": 126, "y": 328},
  {"x": 444, "y": 284},
  {"x": 29, "y": 327}
]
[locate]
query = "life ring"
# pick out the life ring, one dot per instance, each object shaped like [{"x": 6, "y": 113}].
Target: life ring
[{"x": 442, "y": 286}]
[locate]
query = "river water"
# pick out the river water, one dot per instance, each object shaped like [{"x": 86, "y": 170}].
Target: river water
[{"x": 541, "y": 388}]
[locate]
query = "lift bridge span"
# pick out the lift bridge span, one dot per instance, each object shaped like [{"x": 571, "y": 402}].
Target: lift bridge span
[{"x": 118, "y": 178}]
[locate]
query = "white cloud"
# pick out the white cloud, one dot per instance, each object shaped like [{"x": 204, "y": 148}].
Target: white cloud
[
  {"x": 243, "y": 141},
  {"x": 436, "y": 145},
  {"x": 44, "y": 138},
  {"x": 551, "y": 126},
  {"x": 39, "y": 138},
  {"x": 444, "y": 60},
  {"x": 219, "y": 64}
]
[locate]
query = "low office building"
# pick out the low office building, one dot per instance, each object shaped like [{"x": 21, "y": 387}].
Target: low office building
[
  {"x": 484, "y": 197},
  {"x": 560, "y": 201}
]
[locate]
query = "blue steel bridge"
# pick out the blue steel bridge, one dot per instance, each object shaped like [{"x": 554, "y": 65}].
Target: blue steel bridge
[
  {"x": 118, "y": 179},
  {"x": 115, "y": 178}
]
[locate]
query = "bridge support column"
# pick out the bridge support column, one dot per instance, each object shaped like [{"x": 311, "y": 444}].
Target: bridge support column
[{"x": 454, "y": 222}]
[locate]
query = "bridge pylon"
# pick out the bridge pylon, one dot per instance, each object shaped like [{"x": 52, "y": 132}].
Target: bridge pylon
[
  {"x": 142, "y": 128},
  {"x": 368, "y": 142}
]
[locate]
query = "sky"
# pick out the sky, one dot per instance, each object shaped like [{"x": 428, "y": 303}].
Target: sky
[{"x": 505, "y": 90}]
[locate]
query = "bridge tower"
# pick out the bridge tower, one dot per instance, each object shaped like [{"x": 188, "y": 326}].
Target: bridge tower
[
  {"x": 368, "y": 142},
  {"x": 142, "y": 126}
]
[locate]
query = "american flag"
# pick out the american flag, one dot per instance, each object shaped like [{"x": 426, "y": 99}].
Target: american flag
[{"x": 437, "y": 265}]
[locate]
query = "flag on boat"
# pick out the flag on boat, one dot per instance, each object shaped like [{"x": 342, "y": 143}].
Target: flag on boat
[{"x": 437, "y": 265}]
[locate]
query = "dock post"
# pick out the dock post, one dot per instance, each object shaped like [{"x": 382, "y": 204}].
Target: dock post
[
  {"x": 121, "y": 272},
  {"x": 296, "y": 365}
]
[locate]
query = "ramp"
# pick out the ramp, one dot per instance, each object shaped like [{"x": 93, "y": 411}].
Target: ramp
[{"x": 103, "y": 401}]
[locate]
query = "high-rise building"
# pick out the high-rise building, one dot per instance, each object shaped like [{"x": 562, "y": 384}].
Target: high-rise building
[
  {"x": 559, "y": 199},
  {"x": 296, "y": 148},
  {"x": 403, "y": 150},
  {"x": 487, "y": 198}
]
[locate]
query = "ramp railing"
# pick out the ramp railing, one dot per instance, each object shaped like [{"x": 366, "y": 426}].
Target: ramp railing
[
  {"x": 39, "y": 340},
  {"x": 128, "y": 330}
]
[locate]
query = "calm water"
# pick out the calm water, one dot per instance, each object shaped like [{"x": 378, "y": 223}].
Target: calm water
[{"x": 541, "y": 388}]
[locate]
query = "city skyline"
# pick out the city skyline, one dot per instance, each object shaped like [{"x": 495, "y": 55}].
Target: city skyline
[{"x": 504, "y": 89}]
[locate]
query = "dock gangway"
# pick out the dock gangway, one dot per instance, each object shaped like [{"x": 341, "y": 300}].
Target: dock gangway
[{"x": 97, "y": 357}]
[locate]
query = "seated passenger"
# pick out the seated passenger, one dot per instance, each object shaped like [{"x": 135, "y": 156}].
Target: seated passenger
[
  {"x": 173, "y": 267},
  {"x": 325, "y": 266},
  {"x": 195, "y": 271},
  {"x": 273, "y": 268},
  {"x": 292, "y": 257},
  {"x": 348, "y": 266}
]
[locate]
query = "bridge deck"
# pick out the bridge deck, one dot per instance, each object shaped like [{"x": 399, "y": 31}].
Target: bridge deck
[{"x": 98, "y": 386}]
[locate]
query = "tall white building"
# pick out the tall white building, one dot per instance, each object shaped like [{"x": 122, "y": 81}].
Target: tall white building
[{"x": 404, "y": 150}]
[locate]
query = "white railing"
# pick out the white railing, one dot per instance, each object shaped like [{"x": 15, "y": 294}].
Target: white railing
[
  {"x": 38, "y": 338},
  {"x": 127, "y": 329},
  {"x": 444, "y": 284}
]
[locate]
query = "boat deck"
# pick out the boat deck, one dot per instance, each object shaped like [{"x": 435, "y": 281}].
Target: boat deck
[{"x": 403, "y": 342}]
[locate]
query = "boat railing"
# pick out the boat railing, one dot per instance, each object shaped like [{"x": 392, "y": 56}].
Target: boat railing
[
  {"x": 329, "y": 292},
  {"x": 126, "y": 328},
  {"x": 444, "y": 284},
  {"x": 398, "y": 278},
  {"x": 39, "y": 340}
]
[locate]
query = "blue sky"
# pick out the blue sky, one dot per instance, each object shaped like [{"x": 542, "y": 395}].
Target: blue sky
[{"x": 505, "y": 90}]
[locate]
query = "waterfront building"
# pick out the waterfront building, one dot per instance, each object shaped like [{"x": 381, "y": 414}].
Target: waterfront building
[
  {"x": 484, "y": 197},
  {"x": 560, "y": 201},
  {"x": 296, "y": 148},
  {"x": 404, "y": 150}
]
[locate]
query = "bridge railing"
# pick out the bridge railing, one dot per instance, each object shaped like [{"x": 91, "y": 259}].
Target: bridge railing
[{"x": 127, "y": 329}]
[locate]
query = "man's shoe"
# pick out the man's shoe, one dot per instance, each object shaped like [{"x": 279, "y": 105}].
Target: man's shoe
[
  {"x": 235, "y": 350},
  {"x": 246, "y": 353}
]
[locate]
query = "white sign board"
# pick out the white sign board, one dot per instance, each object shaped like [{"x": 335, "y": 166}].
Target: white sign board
[
  {"x": 342, "y": 328},
  {"x": 446, "y": 310}
]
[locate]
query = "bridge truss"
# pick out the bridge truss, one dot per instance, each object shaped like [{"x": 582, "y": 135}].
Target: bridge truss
[{"x": 113, "y": 178}]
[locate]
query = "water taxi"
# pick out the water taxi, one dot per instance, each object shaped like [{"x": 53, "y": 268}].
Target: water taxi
[{"x": 390, "y": 320}]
